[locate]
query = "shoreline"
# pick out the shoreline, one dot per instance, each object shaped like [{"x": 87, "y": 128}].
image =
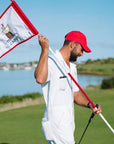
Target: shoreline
[
  {"x": 81, "y": 73},
  {"x": 96, "y": 74}
]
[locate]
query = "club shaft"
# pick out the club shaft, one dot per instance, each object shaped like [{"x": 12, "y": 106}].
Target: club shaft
[
  {"x": 83, "y": 133},
  {"x": 90, "y": 119}
]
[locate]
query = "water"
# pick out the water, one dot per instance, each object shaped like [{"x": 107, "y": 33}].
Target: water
[
  {"x": 22, "y": 81},
  {"x": 18, "y": 82},
  {"x": 85, "y": 80}
]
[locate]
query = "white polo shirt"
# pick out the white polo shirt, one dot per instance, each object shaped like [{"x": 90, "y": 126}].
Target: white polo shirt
[{"x": 58, "y": 91}]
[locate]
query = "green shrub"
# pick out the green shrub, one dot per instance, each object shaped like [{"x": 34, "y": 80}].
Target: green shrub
[
  {"x": 11, "y": 99},
  {"x": 101, "y": 61},
  {"x": 108, "y": 83}
]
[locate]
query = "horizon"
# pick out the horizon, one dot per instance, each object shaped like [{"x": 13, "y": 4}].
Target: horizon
[{"x": 71, "y": 62}]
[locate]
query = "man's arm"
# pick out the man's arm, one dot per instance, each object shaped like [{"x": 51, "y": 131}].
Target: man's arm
[
  {"x": 41, "y": 71},
  {"x": 79, "y": 99}
]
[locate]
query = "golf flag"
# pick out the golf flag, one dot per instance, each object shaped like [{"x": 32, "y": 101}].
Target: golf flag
[{"x": 15, "y": 28}]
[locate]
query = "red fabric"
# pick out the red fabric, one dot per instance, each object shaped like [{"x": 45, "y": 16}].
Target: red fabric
[
  {"x": 78, "y": 37},
  {"x": 24, "y": 18}
]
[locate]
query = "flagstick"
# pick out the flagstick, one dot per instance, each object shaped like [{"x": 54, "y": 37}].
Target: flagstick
[
  {"x": 106, "y": 122},
  {"x": 65, "y": 72}
]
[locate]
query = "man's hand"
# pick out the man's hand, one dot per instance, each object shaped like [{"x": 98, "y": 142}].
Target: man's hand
[
  {"x": 43, "y": 41},
  {"x": 96, "y": 111}
]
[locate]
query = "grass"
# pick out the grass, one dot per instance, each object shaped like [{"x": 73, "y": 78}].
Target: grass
[
  {"x": 99, "y": 69},
  {"x": 98, "y": 132},
  {"x": 23, "y": 125}
]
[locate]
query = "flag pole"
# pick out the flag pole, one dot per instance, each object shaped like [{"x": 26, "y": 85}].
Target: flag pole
[{"x": 65, "y": 72}]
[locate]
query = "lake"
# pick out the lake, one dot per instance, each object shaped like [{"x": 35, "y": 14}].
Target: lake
[{"x": 19, "y": 82}]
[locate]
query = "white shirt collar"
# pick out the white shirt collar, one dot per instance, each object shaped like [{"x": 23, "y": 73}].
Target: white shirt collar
[{"x": 60, "y": 58}]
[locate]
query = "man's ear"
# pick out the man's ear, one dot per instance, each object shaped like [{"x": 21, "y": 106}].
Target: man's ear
[{"x": 72, "y": 45}]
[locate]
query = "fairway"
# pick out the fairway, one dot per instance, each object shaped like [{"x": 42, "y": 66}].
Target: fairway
[{"x": 23, "y": 125}]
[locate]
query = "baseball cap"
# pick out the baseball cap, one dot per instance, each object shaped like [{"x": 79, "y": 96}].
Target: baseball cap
[{"x": 78, "y": 37}]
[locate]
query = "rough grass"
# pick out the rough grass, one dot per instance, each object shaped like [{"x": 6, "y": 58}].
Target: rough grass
[
  {"x": 18, "y": 98},
  {"x": 24, "y": 103}
]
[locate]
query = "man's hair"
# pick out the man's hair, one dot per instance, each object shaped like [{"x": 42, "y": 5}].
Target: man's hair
[{"x": 66, "y": 42}]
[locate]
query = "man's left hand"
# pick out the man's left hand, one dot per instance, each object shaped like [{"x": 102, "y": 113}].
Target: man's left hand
[{"x": 97, "y": 110}]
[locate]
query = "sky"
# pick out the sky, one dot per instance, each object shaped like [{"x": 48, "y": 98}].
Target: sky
[{"x": 54, "y": 19}]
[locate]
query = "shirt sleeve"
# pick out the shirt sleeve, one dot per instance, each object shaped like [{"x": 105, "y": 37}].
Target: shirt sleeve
[{"x": 74, "y": 86}]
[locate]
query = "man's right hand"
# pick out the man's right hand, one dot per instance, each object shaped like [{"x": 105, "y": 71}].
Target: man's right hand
[{"x": 44, "y": 42}]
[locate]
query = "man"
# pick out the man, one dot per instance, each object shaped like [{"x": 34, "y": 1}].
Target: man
[{"x": 59, "y": 90}]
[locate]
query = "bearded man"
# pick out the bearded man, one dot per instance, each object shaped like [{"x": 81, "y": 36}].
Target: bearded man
[{"x": 59, "y": 91}]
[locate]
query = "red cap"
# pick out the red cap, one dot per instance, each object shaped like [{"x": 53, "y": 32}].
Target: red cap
[{"x": 78, "y": 37}]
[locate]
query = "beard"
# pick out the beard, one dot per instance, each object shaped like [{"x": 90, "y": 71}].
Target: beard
[{"x": 73, "y": 57}]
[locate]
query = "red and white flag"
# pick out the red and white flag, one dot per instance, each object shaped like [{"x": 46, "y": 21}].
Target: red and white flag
[{"x": 15, "y": 28}]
